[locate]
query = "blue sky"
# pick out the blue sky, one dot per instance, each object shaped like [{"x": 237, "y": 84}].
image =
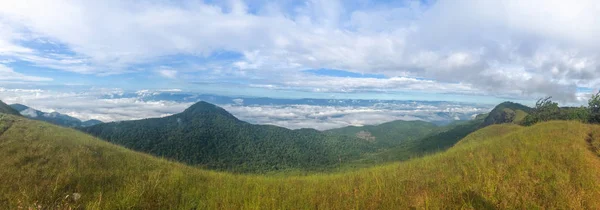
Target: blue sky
[{"x": 469, "y": 51}]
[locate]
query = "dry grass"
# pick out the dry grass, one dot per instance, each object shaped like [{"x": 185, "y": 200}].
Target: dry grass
[{"x": 549, "y": 165}]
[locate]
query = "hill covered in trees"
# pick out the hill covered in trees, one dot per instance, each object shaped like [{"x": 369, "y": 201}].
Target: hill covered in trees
[
  {"x": 550, "y": 165},
  {"x": 507, "y": 112},
  {"x": 389, "y": 134},
  {"x": 209, "y": 136},
  {"x": 54, "y": 117}
]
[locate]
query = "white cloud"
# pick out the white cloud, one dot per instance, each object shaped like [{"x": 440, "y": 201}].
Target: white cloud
[
  {"x": 328, "y": 117},
  {"x": 550, "y": 45},
  {"x": 111, "y": 105},
  {"x": 93, "y": 104},
  {"x": 171, "y": 74}
]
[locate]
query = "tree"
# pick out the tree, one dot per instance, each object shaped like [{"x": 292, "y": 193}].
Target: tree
[
  {"x": 594, "y": 108},
  {"x": 545, "y": 110}
]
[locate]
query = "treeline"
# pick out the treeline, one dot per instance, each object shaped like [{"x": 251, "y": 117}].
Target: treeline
[{"x": 545, "y": 110}]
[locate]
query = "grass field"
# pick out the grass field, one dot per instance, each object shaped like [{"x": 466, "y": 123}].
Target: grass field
[{"x": 551, "y": 165}]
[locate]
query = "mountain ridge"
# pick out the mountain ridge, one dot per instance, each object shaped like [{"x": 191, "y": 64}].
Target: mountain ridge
[
  {"x": 208, "y": 136},
  {"x": 52, "y": 117}
]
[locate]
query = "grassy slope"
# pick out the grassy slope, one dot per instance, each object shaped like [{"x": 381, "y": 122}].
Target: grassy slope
[
  {"x": 519, "y": 116},
  {"x": 6, "y": 109},
  {"x": 548, "y": 165},
  {"x": 442, "y": 139}
]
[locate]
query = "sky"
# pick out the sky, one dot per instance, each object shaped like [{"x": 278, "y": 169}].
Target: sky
[{"x": 466, "y": 50}]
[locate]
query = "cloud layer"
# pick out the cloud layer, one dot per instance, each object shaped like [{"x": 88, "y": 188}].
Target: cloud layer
[{"x": 117, "y": 105}]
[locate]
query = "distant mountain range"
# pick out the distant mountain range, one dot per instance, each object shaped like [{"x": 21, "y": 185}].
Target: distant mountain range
[{"x": 53, "y": 117}]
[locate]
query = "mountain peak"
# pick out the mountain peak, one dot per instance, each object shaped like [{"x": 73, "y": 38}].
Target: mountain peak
[
  {"x": 202, "y": 108},
  {"x": 507, "y": 112}
]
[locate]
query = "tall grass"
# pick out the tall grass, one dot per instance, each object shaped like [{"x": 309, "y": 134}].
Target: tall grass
[{"x": 549, "y": 165}]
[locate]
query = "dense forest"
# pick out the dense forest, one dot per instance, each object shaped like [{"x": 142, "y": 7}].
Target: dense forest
[
  {"x": 209, "y": 136},
  {"x": 389, "y": 134}
]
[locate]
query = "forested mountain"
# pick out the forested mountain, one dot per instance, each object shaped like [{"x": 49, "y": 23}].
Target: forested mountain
[
  {"x": 207, "y": 135},
  {"x": 54, "y": 117},
  {"x": 415, "y": 138},
  {"x": 6, "y": 109},
  {"x": 389, "y": 134}
]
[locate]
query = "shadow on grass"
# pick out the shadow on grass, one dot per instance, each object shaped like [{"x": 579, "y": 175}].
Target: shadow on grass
[{"x": 476, "y": 201}]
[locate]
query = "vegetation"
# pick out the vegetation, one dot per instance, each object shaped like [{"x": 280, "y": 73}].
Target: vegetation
[
  {"x": 6, "y": 109},
  {"x": 546, "y": 166},
  {"x": 389, "y": 134},
  {"x": 507, "y": 112},
  {"x": 209, "y": 136},
  {"x": 440, "y": 140},
  {"x": 594, "y": 108},
  {"x": 545, "y": 110}
]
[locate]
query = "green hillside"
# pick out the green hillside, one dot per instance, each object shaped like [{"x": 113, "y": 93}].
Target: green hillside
[
  {"x": 389, "y": 134},
  {"x": 6, "y": 109},
  {"x": 440, "y": 139},
  {"x": 507, "y": 112},
  {"x": 403, "y": 140},
  {"x": 209, "y": 136},
  {"x": 552, "y": 165}
]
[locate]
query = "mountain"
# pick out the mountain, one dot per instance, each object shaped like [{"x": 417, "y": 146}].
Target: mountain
[
  {"x": 389, "y": 134},
  {"x": 507, "y": 112},
  {"x": 54, "y": 117},
  {"x": 209, "y": 136},
  {"x": 439, "y": 139},
  {"x": 6, "y": 109},
  {"x": 91, "y": 122},
  {"x": 422, "y": 138},
  {"x": 550, "y": 165}
]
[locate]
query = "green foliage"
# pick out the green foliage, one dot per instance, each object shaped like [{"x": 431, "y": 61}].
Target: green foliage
[
  {"x": 546, "y": 110},
  {"x": 438, "y": 140},
  {"x": 545, "y": 166},
  {"x": 208, "y": 136},
  {"x": 389, "y": 134},
  {"x": 594, "y": 108}
]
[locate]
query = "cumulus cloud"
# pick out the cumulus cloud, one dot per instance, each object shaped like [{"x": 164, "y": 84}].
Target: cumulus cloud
[
  {"x": 171, "y": 74},
  {"x": 522, "y": 48}
]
